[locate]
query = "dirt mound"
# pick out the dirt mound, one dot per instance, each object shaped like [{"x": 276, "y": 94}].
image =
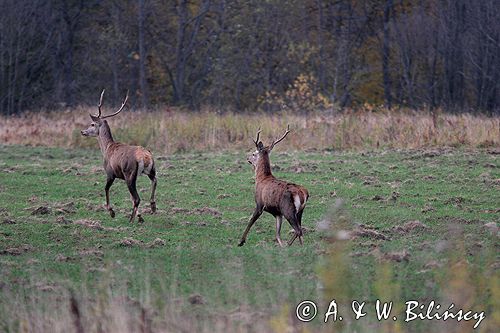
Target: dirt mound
[
  {"x": 42, "y": 210},
  {"x": 92, "y": 224},
  {"x": 365, "y": 231},
  {"x": 410, "y": 226},
  {"x": 156, "y": 243},
  {"x": 129, "y": 242},
  {"x": 17, "y": 251}
]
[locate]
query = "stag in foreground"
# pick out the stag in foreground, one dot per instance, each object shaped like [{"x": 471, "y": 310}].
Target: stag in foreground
[
  {"x": 277, "y": 197},
  {"x": 121, "y": 160}
]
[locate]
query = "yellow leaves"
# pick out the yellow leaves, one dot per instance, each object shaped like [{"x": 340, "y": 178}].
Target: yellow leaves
[{"x": 301, "y": 95}]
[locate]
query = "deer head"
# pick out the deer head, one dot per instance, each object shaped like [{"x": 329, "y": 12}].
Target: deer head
[
  {"x": 98, "y": 120},
  {"x": 255, "y": 157}
]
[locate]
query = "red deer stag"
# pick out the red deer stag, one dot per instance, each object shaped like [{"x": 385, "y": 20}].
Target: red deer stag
[
  {"x": 121, "y": 160},
  {"x": 275, "y": 196}
]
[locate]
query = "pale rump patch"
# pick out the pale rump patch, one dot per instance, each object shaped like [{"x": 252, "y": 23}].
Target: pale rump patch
[
  {"x": 296, "y": 202},
  {"x": 145, "y": 161}
]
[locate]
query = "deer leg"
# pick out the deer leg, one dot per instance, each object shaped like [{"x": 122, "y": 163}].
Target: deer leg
[
  {"x": 299, "y": 219},
  {"x": 152, "y": 177},
  {"x": 135, "y": 199},
  {"x": 298, "y": 231},
  {"x": 256, "y": 214},
  {"x": 109, "y": 182},
  {"x": 279, "y": 220}
]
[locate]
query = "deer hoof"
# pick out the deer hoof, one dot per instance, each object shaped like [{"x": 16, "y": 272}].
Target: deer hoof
[
  {"x": 111, "y": 213},
  {"x": 140, "y": 219},
  {"x": 241, "y": 242},
  {"x": 153, "y": 207}
]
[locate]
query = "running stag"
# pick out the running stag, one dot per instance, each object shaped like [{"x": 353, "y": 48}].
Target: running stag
[
  {"x": 121, "y": 160},
  {"x": 275, "y": 196}
]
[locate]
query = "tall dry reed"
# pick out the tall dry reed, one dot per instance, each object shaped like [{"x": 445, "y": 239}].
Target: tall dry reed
[{"x": 177, "y": 131}]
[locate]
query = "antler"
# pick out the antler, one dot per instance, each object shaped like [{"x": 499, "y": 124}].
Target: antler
[
  {"x": 256, "y": 141},
  {"x": 114, "y": 114},
  {"x": 100, "y": 104},
  {"x": 280, "y": 139}
]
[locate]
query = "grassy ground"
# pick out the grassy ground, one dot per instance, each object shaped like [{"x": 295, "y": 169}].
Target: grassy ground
[{"x": 182, "y": 268}]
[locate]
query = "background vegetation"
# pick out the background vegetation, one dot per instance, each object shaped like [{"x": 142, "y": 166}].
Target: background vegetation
[
  {"x": 178, "y": 131},
  {"x": 247, "y": 55}
]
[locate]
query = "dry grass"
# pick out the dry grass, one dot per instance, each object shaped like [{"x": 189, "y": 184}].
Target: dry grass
[{"x": 176, "y": 131}]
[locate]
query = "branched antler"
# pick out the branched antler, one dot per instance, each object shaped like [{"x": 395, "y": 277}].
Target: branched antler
[
  {"x": 110, "y": 115},
  {"x": 119, "y": 110},
  {"x": 256, "y": 141},
  {"x": 280, "y": 139}
]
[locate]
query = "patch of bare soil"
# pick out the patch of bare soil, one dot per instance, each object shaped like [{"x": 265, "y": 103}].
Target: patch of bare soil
[
  {"x": 42, "y": 210},
  {"x": 129, "y": 242},
  {"x": 92, "y": 224},
  {"x": 16, "y": 251},
  {"x": 492, "y": 227},
  {"x": 371, "y": 180},
  {"x": 91, "y": 253},
  {"x": 410, "y": 226},
  {"x": 64, "y": 258},
  {"x": 65, "y": 208},
  {"x": 63, "y": 220},
  {"x": 157, "y": 242},
  {"x": 196, "y": 299},
  {"x": 493, "y": 151},
  {"x": 368, "y": 232},
  {"x": 427, "y": 208},
  {"x": 493, "y": 211},
  {"x": 432, "y": 264},
  {"x": 8, "y": 221},
  {"x": 378, "y": 198},
  {"x": 11, "y": 169},
  {"x": 47, "y": 287}
]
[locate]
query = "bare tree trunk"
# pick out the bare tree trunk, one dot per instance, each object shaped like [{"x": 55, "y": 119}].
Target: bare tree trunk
[
  {"x": 142, "y": 57},
  {"x": 386, "y": 54}
]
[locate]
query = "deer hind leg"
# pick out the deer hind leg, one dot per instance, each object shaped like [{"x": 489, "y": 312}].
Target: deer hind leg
[
  {"x": 256, "y": 214},
  {"x": 299, "y": 220},
  {"x": 296, "y": 228},
  {"x": 152, "y": 177},
  {"x": 135, "y": 199},
  {"x": 279, "y": 220},
  {"x": 109, "y": 182}
]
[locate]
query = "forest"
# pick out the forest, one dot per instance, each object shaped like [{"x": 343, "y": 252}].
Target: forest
[{"x": 270, "y": 55}]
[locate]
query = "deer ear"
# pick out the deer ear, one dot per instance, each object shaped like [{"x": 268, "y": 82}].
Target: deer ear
[
  {"x": 260, "y": 146},
  {"x": 94, "y": 118}
]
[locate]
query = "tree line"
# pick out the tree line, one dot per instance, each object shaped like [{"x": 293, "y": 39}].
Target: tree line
[{"x": 251, "y": 54}]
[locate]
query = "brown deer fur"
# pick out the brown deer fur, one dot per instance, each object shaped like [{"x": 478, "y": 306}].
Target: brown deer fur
[
  {"x": 277, "y": 197},
  {"x": 122, "y": 161}
]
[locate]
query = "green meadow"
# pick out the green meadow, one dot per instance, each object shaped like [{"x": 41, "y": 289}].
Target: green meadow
[{"x": 387, "y": 224}]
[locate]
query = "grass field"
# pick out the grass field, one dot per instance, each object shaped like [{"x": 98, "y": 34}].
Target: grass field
[{"x": 65, "y": 264}]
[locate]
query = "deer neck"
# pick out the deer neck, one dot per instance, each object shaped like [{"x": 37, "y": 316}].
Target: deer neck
[
  {"x": 105, "y": 138},
  {"x": 263, "y": 169}
]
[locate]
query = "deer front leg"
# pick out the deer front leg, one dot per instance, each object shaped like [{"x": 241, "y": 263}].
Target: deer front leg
[
  {"x": 256, "y": 214},
  {"x": 152, "y": 177},
  {"x": 109, "y": 182},
  {"x": 279, "y": 220}
]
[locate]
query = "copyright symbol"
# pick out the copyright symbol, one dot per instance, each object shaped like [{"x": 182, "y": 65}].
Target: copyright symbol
[{"x": 306, "y": 311}]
